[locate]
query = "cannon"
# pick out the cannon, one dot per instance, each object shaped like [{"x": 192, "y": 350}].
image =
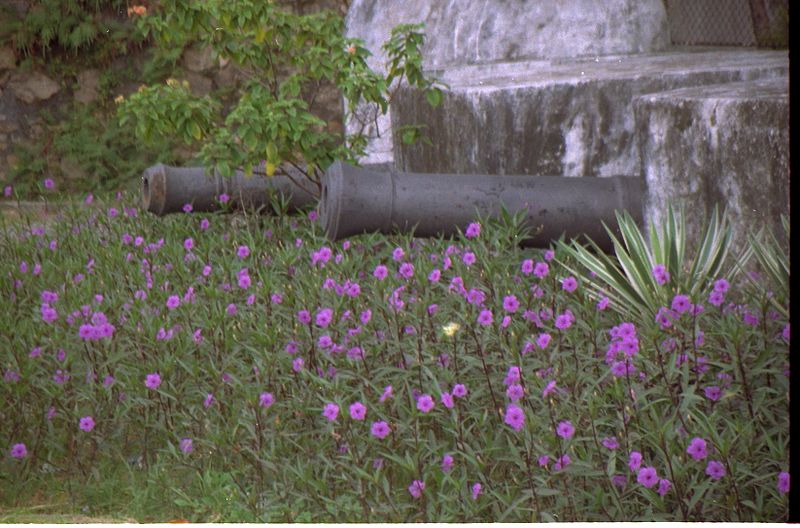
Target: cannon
[
  {"x": 357, "y": 200},
  {"x": 166, "y": 189}
]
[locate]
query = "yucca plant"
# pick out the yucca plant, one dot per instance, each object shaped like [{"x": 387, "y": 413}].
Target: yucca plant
[
  {"x": 627, "y": 278},
  {"x": 773, "y": 260}
]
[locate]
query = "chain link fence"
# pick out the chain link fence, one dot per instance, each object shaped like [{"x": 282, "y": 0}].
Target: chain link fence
[{"x": 728, "y": 22}]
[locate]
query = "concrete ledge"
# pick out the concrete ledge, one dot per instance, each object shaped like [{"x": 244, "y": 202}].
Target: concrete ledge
[
  {"x": 570, "y": 117},
  {"x": 720, "y": 144}
]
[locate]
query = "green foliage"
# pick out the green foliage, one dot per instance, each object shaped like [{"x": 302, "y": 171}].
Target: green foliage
[
  {"x": 627, "y": 278},
  {"x": 712, "y": 374},
  {"x": 287, "y": 59},
  {"x": 773, "y": 259},
  {"x": 95, "y": 29},
  {"x": 87, "y": 151}
]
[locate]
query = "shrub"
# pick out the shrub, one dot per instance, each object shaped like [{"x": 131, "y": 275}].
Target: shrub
[{"x": 306, "y": 381}]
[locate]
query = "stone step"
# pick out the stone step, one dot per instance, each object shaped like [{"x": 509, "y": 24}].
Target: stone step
[
  {"x": 725, "y": 144},
  {"x": 703, "y": 127},
  {"x": 570, "y": 117}
]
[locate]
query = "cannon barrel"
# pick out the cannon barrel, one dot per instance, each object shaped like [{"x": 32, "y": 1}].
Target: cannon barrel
[
  {"x": 166, "y": 189},
  {"x": 357, "y": 200}
]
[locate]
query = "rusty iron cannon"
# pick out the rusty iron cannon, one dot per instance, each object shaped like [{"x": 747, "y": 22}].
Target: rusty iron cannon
[
  {"x": 357, "y": 200},
  {"x": 166, "y": 189}
]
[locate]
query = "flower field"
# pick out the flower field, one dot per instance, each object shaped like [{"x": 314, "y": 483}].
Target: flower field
[{"x": 241, "y": 367}]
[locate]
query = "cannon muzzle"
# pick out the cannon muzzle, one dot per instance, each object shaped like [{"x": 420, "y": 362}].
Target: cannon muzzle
[
  {"x": 167, "y": 189},
  {"x": 356, "y": 200}
]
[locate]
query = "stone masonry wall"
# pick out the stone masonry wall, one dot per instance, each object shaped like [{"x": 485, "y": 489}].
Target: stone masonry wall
[{"x": 26, "y": 92}]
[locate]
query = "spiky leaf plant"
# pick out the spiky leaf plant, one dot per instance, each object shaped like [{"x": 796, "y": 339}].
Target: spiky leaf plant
[{"x": 627, "y": 276}]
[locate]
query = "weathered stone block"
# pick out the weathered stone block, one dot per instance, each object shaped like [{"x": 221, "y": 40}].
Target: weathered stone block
[
  {"x": 32, "y": 87},
  {"x": 86, "y": 86},
  {"x": 719, "y": 144},
  {"x": 460, "y": 32},
  {"x": 572, "y": 118}
]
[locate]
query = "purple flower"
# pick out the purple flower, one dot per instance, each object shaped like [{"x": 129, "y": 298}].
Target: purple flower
[
  {"x": 570, "y": 284},
  {"x": 526, "y": 267},
  {"x": 416, "y": 488},
  {"x": 152, "y": 381},
  {"x": 661, "y": 274},
  {"x": 712, "y": 392},
  {"x": 223, "y": 198},
  {"x": 783, "y": 482},
  {"x": 86, "y": 423},
  {"x": 324, "y": 317},
  {"x": 186, "y": 445},
  {"x": 380, "y": 272},
  {"x": 562, "y": 462},
  {"x": 476, "y": 490},
  {"x": 610, "y": 442},
  {"x": 447, "y": 463},
  {"x": 20, "y": 451},
  {"x": 647, "y": 477},
  {"x": 266, "y": 399},
  {"x": 380, "y": 429},
  {"x": 297, "y": 364},
  {"x": 663, "y": 486},
  {"x": 510, "y": 303},
  {"x": 541, "y": 269},
  {"x": 681, "y": 303},
  {"x": 49, "y": 183},
  {"x": 447, "y": 400},
  {"x": 173, "y": 301},
  {"x": 512, "y": 376},
  {"x": 619, "y": 480},
  {"x": 716, "y": 298},
  {"x": 468, "y": 258},
  {"x": 565, "y": 320},
  {"x": 208, "y": 401},
  {"x": 721, "y": 285},
  {"x": 565, "y": 430},
  {"x": 602, "y": 304},
  {"x": 543, "y": 461},
  {"x": 435, "y": 275},
  {"x": 398, "y": 254},
  {"x": 358, "y": 411},
  {"x": 387, "y": 393},
  {"x": 243, "y": 252},
  {"x": 425, "y": 403},
  {"x": 543, "y": 340},
  {"x": 550, "y": 387},
  {"x": 697, "y": 448},
  {"x": 7, "y": 191},
  {"x": 473, "y": 230},
  {"x": 549, "y": 254},
  {"x": 485, "y": 318},
  {"x": 407, "y": 270},
  {"x": 515, "y": 417},
  {"x": 331, "y": 411},
  {"x": 715, "y": 470},
  {"x": 515, "y": 392},
  {"x": 635, "y": 460}
]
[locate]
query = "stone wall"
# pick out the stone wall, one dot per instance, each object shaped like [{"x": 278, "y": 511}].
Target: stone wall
[
  {"x": 480, "y": 32},
  {"x": 25, "y": 92}
]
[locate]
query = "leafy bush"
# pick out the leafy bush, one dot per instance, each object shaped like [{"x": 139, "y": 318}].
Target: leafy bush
[
  {"x": 222, "y": 367},
  {"x": 287, "y": 59},
  {"x": 95, "y": 29},
  {"x": 86, "y": 151}
]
